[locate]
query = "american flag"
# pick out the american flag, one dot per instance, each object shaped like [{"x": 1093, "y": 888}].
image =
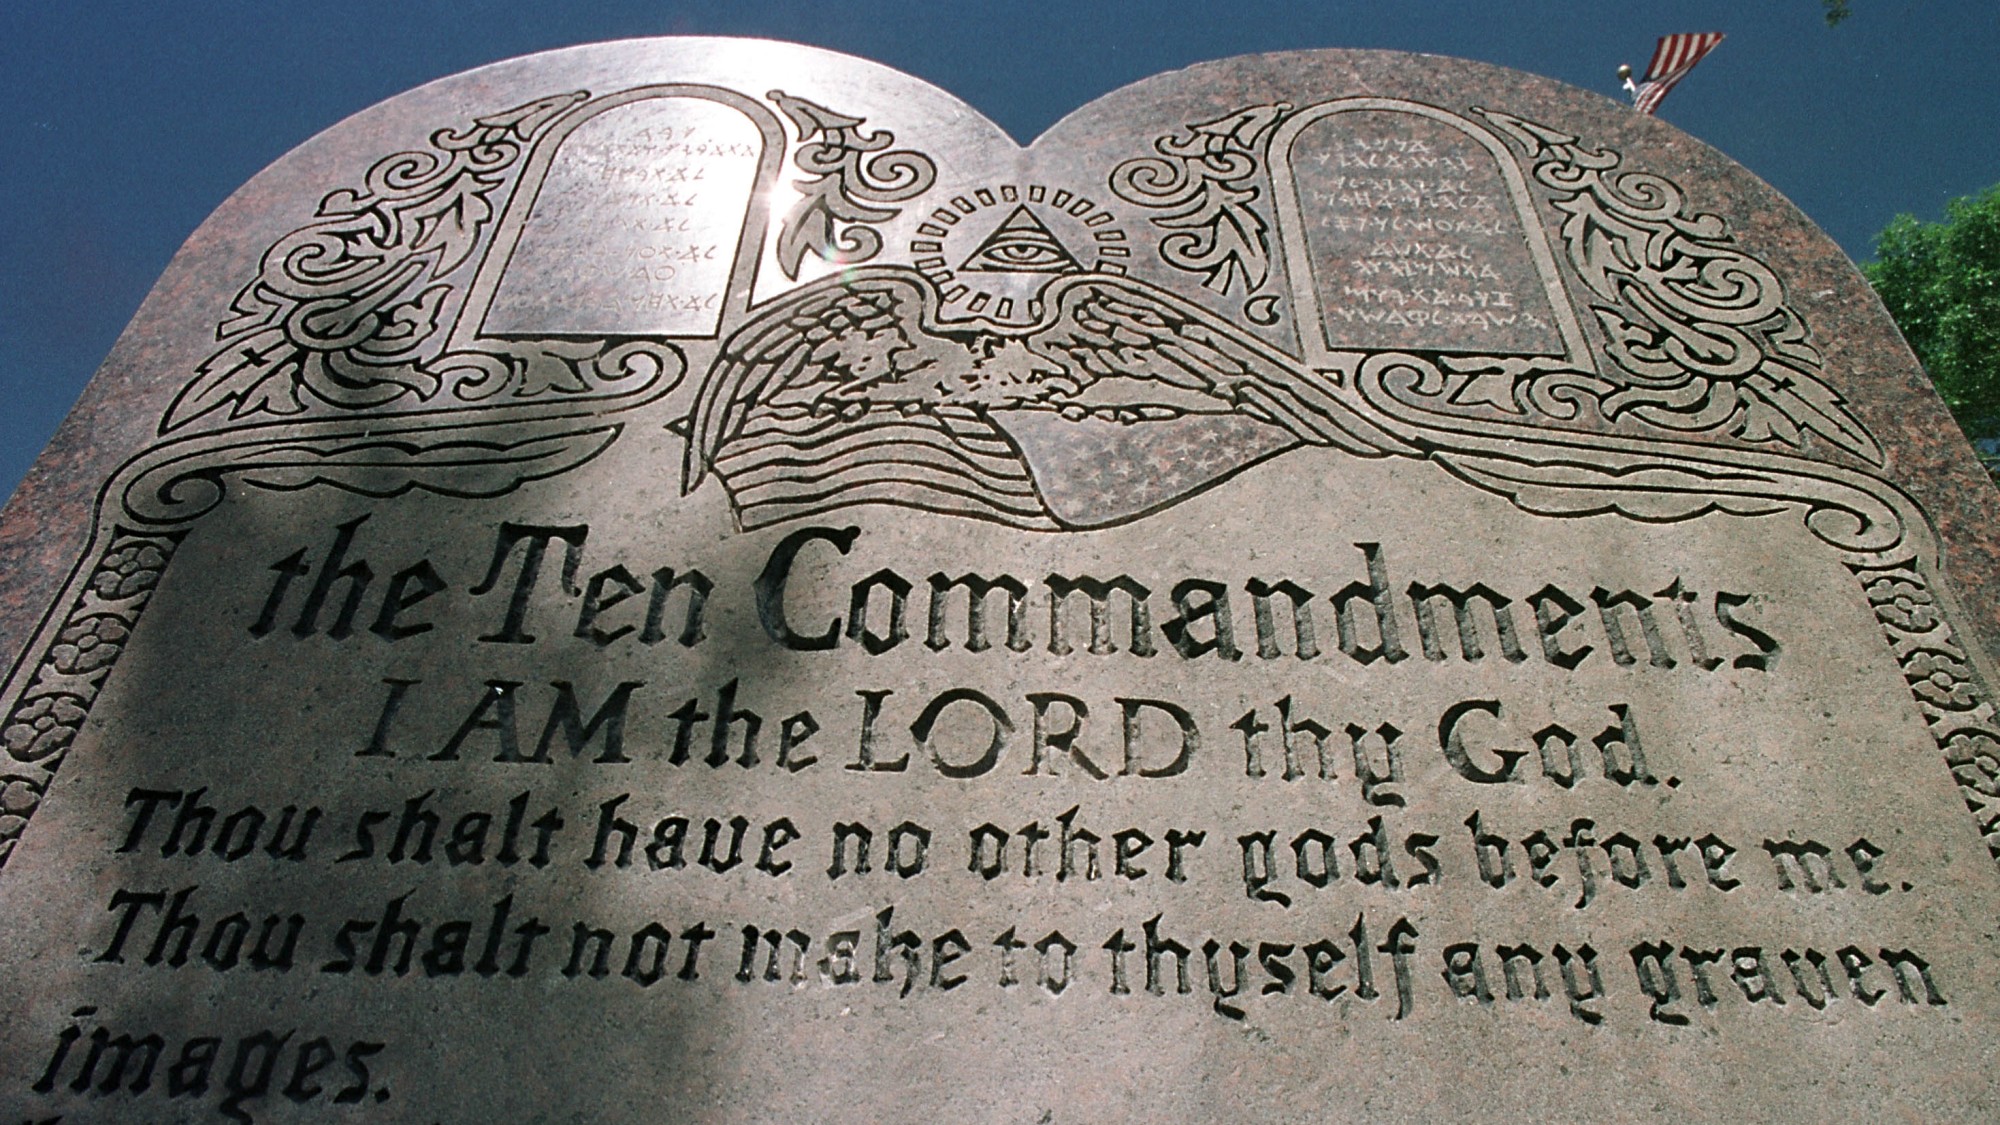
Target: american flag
[{"x": 1672, "y": 59}]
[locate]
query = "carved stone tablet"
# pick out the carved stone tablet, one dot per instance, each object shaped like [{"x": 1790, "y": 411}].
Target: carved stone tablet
[{"x": 698, "y": 580}]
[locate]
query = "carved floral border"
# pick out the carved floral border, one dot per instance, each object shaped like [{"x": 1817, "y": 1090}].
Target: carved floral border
[
  {"x": 40, "y": 728},
  {"x": 1958, "y": 707}
]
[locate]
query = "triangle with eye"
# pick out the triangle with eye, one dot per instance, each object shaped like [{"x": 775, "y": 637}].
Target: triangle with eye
[{"x": 1021, "y": 244}]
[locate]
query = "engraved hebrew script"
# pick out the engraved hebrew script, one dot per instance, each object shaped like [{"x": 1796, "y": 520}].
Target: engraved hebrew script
[{"x": 634, "y": 229}]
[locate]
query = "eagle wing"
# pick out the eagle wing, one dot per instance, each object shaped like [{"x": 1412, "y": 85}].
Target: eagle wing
[
  {"x": 787, "y": 346},
  {"x": 1103, "y": 327},
  {"x": 828, "y": 398}
]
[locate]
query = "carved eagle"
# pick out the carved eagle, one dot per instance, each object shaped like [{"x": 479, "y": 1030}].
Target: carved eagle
[{"x": 1119, "y": 400}]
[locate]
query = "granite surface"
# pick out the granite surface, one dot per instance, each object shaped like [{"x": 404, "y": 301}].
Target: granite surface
[{"x": 699, "y": 580}]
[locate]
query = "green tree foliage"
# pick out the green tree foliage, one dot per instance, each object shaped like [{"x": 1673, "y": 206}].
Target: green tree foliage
[
  {"x": 1836, "y": 10},
  {"x": 1941, "y": 282}
]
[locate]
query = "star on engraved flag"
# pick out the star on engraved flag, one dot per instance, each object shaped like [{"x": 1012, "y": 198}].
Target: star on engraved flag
[{"x": 1673, "y": 57}]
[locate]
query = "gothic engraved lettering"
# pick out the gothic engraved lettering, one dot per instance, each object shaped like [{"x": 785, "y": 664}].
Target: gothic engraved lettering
[{"x": 1207, "y": 600}]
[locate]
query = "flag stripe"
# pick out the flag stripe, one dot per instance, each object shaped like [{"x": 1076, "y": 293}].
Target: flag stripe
[
  {"x": 908, "y": 462},
  {"x": 788, "y": 463},
  {"x": 802, "y": 460},
  {"x": 1680, "y": 53},
  {"x": 1673, "y": 57},
  {"x": 1653, "y": 93},
  {"x": 755, "y": 446}
]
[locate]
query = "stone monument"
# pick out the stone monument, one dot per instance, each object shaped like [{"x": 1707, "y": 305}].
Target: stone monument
[{"x": 700, "y": 580}]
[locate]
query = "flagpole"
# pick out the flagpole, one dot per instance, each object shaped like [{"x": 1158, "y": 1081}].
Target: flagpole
[{"x": 1673, "y": 57}]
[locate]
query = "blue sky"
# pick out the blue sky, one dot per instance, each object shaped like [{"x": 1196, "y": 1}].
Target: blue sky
[{"x": 126, "y": 123}]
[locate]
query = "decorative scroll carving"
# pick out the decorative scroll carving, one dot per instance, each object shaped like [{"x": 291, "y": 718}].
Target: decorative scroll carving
[
  {"x": 1957, "y": 707},
  {"x": 37, "y": 733},
  {"x": 1202, "y": 185},
  {"x": 346, "y": 313},
  {"x": 849, "y": 171},
  {"x": 1699, "y": 334},
  {"x": 1552, "y": 472},
  {"x": 345, "y": 309},
  {"x": 467, "y": 461},
  {"x": 505, "y": 370}
]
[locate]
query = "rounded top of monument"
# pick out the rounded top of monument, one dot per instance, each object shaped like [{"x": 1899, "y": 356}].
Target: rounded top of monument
[
  {"x": 661, "y": 491},
  {"x": 1332, "y": 208}
]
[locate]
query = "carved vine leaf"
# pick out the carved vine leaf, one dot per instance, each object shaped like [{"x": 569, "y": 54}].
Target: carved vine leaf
[
  {"x": 1202, "y": 186},
  {"x": 490, "y": 465},
  {"x": 1698, "y": 331},
  {"x": 849, "y": 170},
  {"x": 343, "y": 309}
]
